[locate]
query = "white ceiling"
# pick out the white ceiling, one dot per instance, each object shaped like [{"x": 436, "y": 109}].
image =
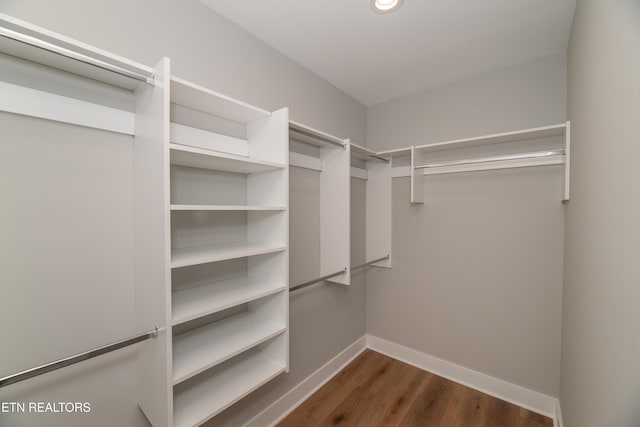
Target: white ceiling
[{"x": 425, "y": 44}]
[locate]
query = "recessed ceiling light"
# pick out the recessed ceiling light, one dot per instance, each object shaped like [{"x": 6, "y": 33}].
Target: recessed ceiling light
[{"x": 385, "y": 6}]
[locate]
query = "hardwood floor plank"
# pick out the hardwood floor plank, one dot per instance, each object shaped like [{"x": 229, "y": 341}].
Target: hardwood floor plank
[
  {"x": 377, "y": 391},
  {"x": 430, "y": 406}
]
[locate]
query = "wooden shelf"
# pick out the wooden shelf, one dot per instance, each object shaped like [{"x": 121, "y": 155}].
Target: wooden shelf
[
  {"x": 205, "y": 347},
  {"x": 225, "y": 208},
  {"x": 219, "y": 389},
  {"x": 202, "y": 99},
  {"x": 192, "y": 303},
  {"x": 183, "y": 257},
  {"x": 182, "y": 155}
]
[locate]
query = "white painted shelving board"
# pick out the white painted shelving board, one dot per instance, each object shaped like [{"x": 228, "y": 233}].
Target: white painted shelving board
[
  {"x": 195, "y": 255},
  {"x": 192, "y": 303},
  {"x": 222, "y": 388},
  {"x": 520, "y": 135},
  {"x": 200, "y": 138},
  {"x": 182, "y": 155},
  {"x": 225, "y": 208},
  {"x": 207, "y": 346},
  {"x": 202, "y": 99}
]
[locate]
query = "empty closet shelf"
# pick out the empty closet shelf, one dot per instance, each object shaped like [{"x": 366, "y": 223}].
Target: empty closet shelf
[
  {"x": 182, "y": 155},
  {"x": 225, "y": 208},
  {"x": 192, "y": 303},
  {"x": 183, "y": 257},
  {"x": 206, "y": 397},
  {"x": 207, "y": 346},
  {"x": 208, "y": 101}
]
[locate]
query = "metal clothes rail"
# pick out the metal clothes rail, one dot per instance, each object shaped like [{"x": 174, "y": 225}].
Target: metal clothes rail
[
  {"x": 534, "y": 155},
  {"x": 368, "y": 263},
  {"x": 71, "y": 360},
  {"x": 68, "y": 53},
  {"x": 329, "y": 276},
  {"x": 298, "y": 129}
]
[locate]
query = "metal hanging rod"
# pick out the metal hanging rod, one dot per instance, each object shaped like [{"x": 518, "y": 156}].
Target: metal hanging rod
[
  {"x": 71, "y": 360},
  {"x": 319, "y": 279},
  {"x": 375, "y": 156},
  {"x": 364, "y": 152},
  {"x": 316, "y": 136},
  {"x": 329, "y": 276},
  {"x": 357, "y": 267},
  {"x": 68, "y": 53},
  {"x": 535, "y": 155}
]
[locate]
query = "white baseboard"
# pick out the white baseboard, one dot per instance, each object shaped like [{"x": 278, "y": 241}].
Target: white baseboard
[
  {"x": 279, "y": 409},
  {"x": 557, "y": 422},
  {"x": 528, "y": 399}
]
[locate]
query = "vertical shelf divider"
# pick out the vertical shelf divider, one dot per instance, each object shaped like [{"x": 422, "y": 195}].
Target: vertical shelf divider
[
  {"x": 378, "y": 212},
  {"x": 335, "y": 213},
  {"x": 151, "y": 246}
]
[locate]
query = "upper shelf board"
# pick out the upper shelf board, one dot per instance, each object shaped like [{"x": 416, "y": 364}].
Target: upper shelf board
[
  {"x": 202, "y": 99},
  {"x": 520, "y": 135},
  {"x": 32, "y": 43},
  {"x": 182, "y": 155},
  {"x": 309, "y": 135}
]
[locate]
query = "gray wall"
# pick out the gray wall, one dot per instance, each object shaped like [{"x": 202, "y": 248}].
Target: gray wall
[
  {"x": 600, "y": 341},
  {"x": 477, "y": 273},
  {"x": 87, "y": 237}
]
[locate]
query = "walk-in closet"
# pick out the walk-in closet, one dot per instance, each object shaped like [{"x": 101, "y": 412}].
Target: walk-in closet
[{"x": 377, "y": 213}]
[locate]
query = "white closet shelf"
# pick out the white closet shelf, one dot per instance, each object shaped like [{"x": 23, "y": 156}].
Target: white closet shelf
[
  {"x": 207, "y": 140},
  {"x": 220, "y": 389},
  {"x": 202, "y": 99},
  {"x": 182, "y": 155},
  {"x": 192, "y": 303},
  {"x": 203, "y": 348},
  {"x": 182, "y": 257},
  {"x": 225, "y": 208},
  {"x": 520, "y": 135}
]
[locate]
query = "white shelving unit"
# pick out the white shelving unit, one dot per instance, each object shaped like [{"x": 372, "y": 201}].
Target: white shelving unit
[
  {"x": 229, "y": 249},
  {"x": 205, "y": 396},
  {"x": 421, "y": 165}
]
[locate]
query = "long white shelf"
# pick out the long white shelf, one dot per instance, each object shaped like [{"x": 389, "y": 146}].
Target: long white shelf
[
  {"x": 202, "y": 99},
  {"x": 203, "y": 348},
  {"x": 193, "y": 303},
  {"x": 182, "y": 257},
  {"x": 520, "y": 135},
  {"x": 221, "y": 388},
  {"x": 226, "y": 208},
  {"x": 182, "y": 155},
  {"x": 207, "y": 140}
]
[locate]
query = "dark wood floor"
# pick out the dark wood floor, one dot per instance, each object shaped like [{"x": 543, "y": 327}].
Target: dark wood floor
[{"x": 376, "y": 390}]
